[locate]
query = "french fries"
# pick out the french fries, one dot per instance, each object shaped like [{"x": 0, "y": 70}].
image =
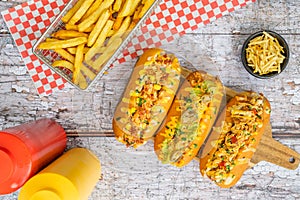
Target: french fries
[
  {"x": 66, "y": 34},
  {"x": 65, "y": 54},
  {"x": 122, "y": 30},
  {"x": 72, "y": 50},
  {"x": 146, "y": 5},
  {"x": 63, "y": 63},
  {"x": 108, "y": 52},
  {"x": 92, "y": 9},
  {"x": 117, "y": 5},
  {"x": 80, "y": 12},
  {"x": 93, "y": 50},
  {"x": 60, "y": 44},
  {"x": 128, "y": 8},
  {"x": 118, "y": 23},
  {"x": 82, "y": 83},
  {"x": 87, "y": 72},
  {"x": 93, "y": 30},
  {"x": 77, "y": 63},
  {"x": 72, "y": 11},
  {"x": 94, "y": 16},
  {"x": 98, "y": 27}
]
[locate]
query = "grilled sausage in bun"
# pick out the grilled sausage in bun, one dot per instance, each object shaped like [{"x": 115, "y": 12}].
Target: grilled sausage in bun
[
  {"x": 238, "y": 134},
  {"x": 189, "y": 119},
  {"x": 147, "y": 97}
]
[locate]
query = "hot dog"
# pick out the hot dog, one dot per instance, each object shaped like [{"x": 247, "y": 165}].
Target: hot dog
[
  {"x": 239, "y": 130},
  {"x": 147, "y": 97},
  {"x": 189, "y": 119}
]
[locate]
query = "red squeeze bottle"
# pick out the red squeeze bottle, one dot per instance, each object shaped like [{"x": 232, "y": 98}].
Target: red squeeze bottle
[{"x": 26, "y": 149}]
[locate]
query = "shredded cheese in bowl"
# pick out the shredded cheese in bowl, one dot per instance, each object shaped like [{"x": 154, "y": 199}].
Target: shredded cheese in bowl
[{"x": 265, "y": 54}]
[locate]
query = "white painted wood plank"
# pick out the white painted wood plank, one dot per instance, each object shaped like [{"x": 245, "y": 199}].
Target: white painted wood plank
[{"x": 130, "y": 174}]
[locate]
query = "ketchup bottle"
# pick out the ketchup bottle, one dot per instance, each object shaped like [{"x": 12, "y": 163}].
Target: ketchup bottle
[
  {"x": 72, "y": 176},
  {"x": 26, "y": 149}
]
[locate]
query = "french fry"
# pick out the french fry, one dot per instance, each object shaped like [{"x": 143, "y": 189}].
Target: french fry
[
  {"x": 78, "y": 63},
  {"x": 60, "y": 44},
  {"x": 135, "y": 17},
  {"x": 117, "y": 5},
  {"x": 96, "y": 51},
  {"x": 102, "y": 36},
  {"x": 72, "y": 11},
  {"x": 92, "y": 9},
  {"x": 100, "y": 40},
  {"x": 118, "y": 23},
  {"x": 63, "y": 63},
  {"x": 66, "y": 34},
  {"x": 137, "y": 13},
  {"x": 98, "y": 27},
  {"x": 51, "y": 39},
  {"x": 65, "y": 54},
  {"x": 91, "y": 75},
  {"x": 82, "y": 26},
  {"x": 110, "y": 33},
  {"x": 89, "y": 29},
  {"x": 71, "y": 27},
  {"x": 82, "y": 81},
  {"x": 98, "y": 63},
  {"x": 132, "y": 25},
  {"x": 121, "y": 30},
  {"x": 72, "y": 50},
  {"x": 147, "y": 5},
  {"x": 128, "y": 8},
  {"x": 80, "y": 12}
]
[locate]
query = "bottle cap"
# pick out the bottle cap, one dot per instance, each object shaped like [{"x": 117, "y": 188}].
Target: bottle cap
[
  {"x": 15, "y": 163},
  {"x": 45, "y": 195},
  {"x": 7, "y": 165},
  {"x": 49, "y": 186}
]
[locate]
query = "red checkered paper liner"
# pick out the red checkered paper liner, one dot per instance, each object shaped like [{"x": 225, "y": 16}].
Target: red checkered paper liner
[{"x": 172, "y": 18}]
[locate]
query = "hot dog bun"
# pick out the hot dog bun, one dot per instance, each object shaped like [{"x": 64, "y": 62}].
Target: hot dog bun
[
  {"x": 189, "y": 119},
  {"x": 237, "y": 132},
  {"x": 147, "y": 97}
]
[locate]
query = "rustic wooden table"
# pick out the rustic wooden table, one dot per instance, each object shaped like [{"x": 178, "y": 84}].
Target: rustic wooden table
[{"x": 136, "y": 174}]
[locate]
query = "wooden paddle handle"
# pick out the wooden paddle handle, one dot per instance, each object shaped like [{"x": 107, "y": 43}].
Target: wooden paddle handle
[
  {"x": 274, "y": 152},
  {"x": 269, "y": 149}
]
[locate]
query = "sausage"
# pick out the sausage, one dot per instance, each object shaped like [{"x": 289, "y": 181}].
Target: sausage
[
  {"x": 189, "y": 119},
  {"x": 237, "y": 133},
  {"x": 147, "y": 97}
]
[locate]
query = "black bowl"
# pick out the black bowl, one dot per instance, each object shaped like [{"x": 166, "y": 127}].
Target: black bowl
[{"x": 281, "y": 41}]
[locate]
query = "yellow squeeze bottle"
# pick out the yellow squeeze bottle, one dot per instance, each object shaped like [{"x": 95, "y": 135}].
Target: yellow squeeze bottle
[{"x": 70, "y": 177}]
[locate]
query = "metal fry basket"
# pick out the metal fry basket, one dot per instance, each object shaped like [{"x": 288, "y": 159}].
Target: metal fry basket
[{"x": 48, "y": 56}]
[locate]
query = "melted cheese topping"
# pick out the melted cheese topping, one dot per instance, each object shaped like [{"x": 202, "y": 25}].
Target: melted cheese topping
[
  {"x": 155, "y": 86},
  {"x": 236, "y": 137},
  {"x": 181, "y": 132}
]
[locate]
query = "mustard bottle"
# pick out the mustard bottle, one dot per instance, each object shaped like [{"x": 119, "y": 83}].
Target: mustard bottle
[{"x": 70, "y": 177}]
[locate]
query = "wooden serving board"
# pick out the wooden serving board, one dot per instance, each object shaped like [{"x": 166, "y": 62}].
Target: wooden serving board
[{"x": 269, "y": 149}]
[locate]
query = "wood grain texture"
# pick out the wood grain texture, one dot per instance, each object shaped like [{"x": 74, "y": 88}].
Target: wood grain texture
[
  {"x": 274, "y": 152},
  {"x": 137, "y": 174}
]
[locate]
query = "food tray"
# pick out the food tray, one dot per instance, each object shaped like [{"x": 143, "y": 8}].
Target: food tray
[
  {"x": 49, "y": 56},
  {"x": 268, "y": 149}
]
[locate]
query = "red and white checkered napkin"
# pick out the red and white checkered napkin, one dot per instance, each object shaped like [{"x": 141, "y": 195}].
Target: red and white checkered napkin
[{"x": 170, "y": 19}]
